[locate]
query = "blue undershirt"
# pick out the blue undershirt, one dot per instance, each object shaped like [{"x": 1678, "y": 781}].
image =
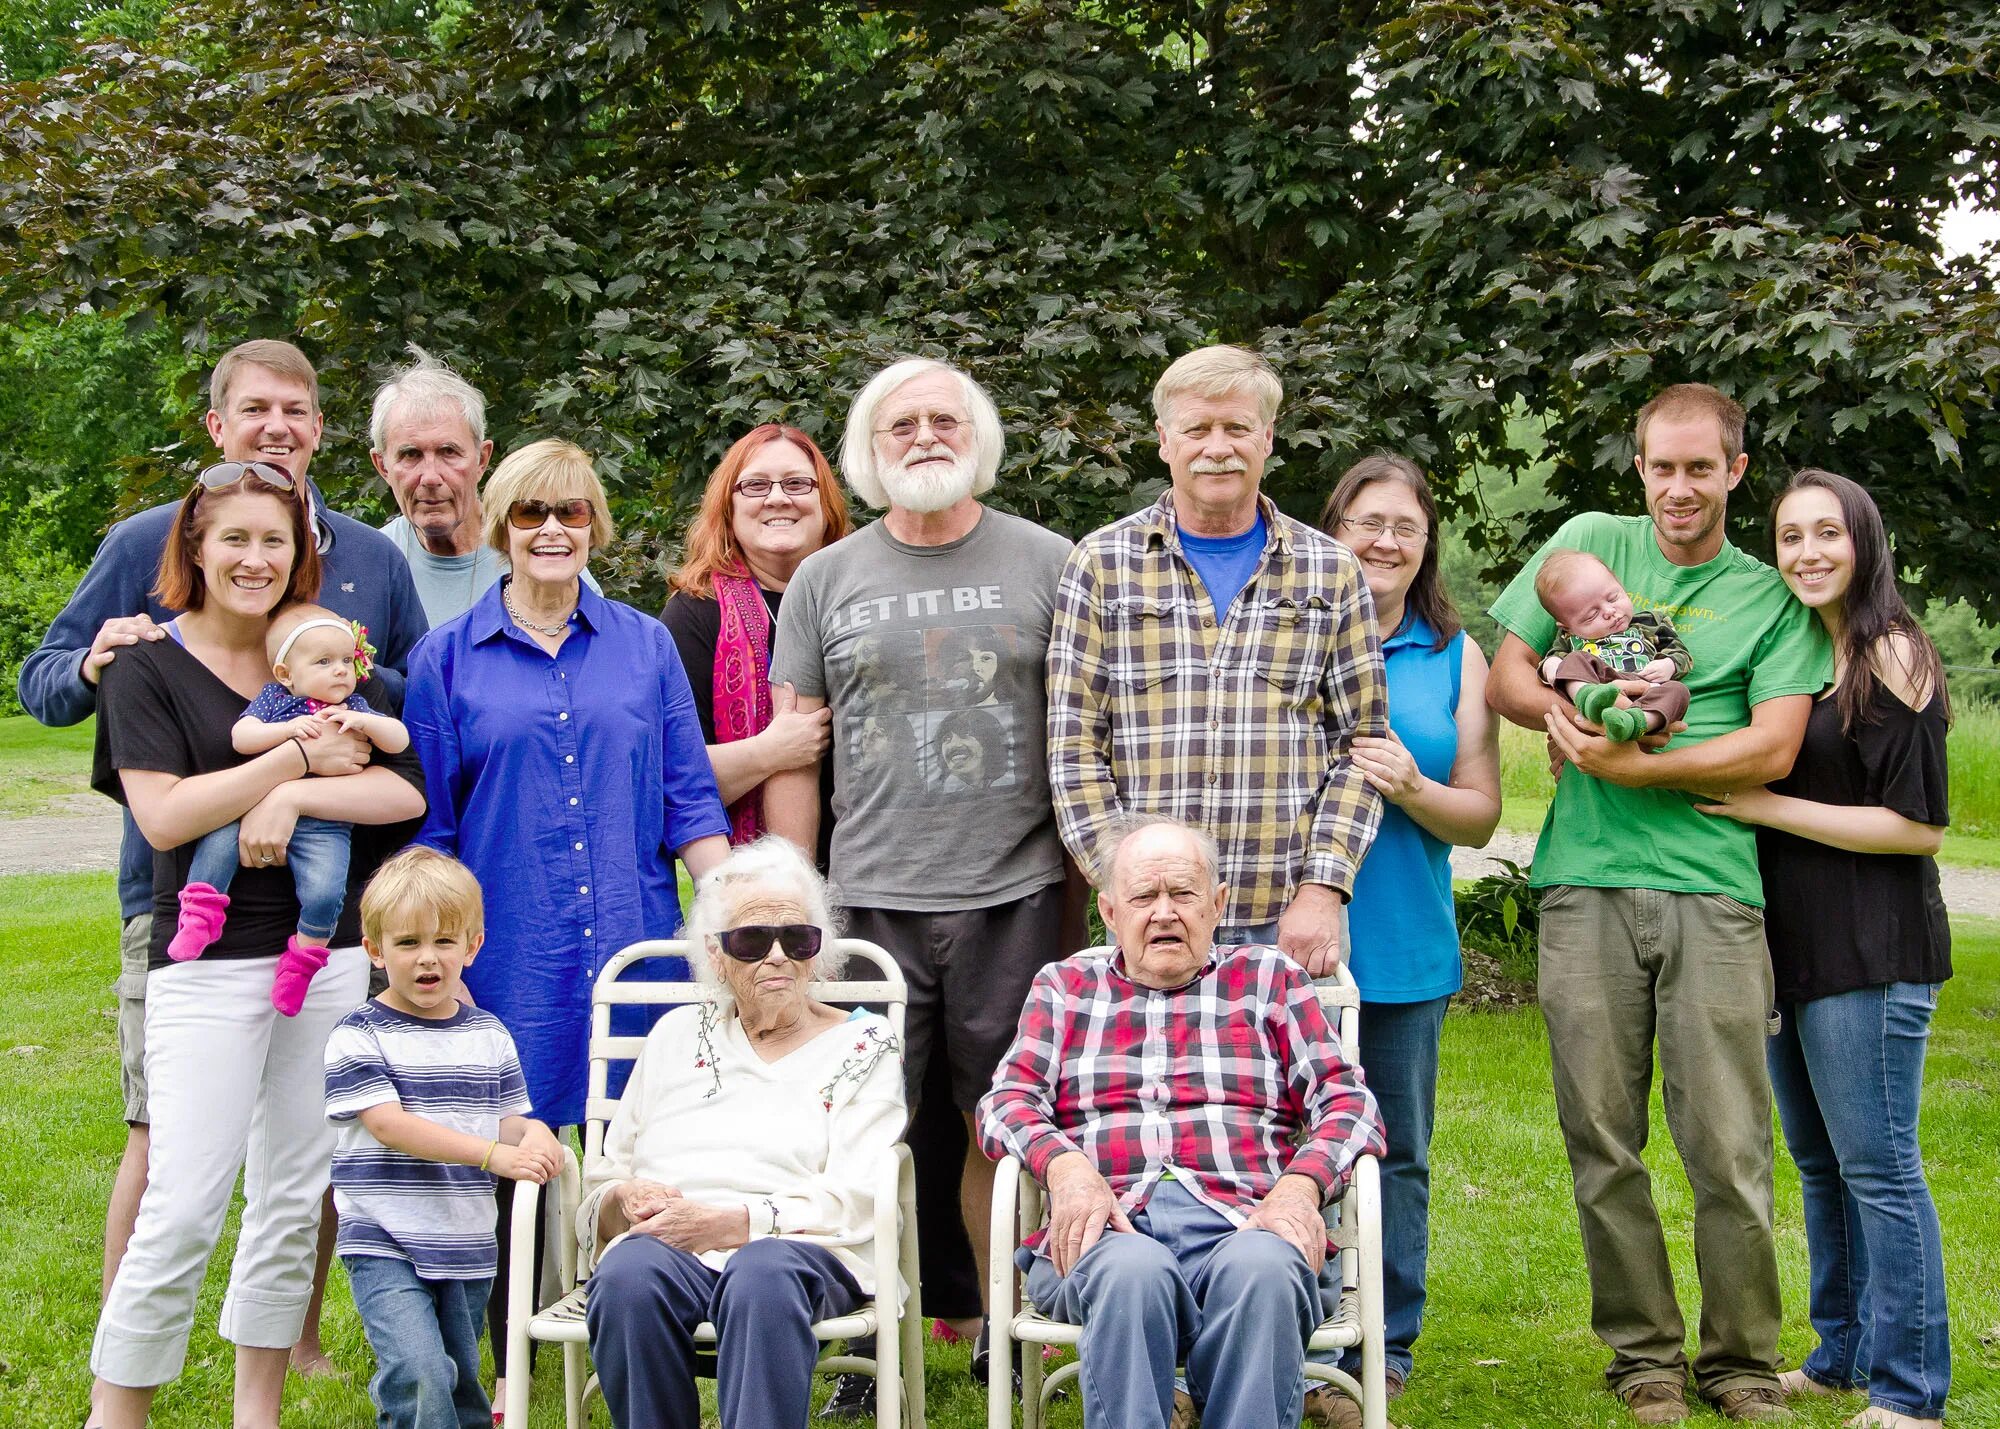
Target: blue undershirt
[{"x": 1225, "y": 563}]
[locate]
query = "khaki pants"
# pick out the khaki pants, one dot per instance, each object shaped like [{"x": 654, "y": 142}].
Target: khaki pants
[{"x": 1620, "y": 969}]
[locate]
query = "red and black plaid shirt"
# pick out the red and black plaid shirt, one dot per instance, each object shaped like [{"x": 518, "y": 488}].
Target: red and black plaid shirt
[{"x": 1229, "y": 1081}]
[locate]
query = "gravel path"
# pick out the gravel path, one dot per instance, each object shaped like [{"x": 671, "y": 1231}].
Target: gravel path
[{"x": 88, "y": 839}]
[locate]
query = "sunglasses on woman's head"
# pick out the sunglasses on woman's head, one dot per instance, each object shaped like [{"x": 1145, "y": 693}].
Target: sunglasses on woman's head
[
  {"x": 228, "y": 473},
  {"x": 752, "y": 942},
  {"x": 529, "y": 515}
]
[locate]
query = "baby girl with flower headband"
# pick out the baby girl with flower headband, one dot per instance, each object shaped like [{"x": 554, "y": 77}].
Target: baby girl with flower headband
[{"x": 318, "y": 659}]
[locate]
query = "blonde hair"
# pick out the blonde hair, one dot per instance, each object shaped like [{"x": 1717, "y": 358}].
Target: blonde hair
[
  {"x": 1555, "y": 572},
  {"x": 857, "y": 442},
  {"x": 548, "y": 470},
  {"x": 1694, "y": 399},
  {"x": 419, "y": 886},
  {"x": 1219, "y": 371},
  {"x": 268, "y": 353}
]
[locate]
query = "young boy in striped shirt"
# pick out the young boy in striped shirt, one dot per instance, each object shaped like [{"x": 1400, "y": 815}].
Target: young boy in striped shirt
[{"x": 427, "y": 1095}]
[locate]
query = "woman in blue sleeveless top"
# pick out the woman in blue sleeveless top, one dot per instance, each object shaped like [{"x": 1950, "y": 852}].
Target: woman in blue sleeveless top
[{"x": 1439, "y": 774}]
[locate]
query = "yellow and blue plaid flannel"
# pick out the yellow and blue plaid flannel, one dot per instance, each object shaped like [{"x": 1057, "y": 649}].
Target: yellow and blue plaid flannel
[{"x": 1240, "y": 726}]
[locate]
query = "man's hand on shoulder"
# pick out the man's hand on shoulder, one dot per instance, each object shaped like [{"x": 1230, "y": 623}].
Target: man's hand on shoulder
[
  {"x": 1291, "y": 1212},
  {"x": 1081, "y": 1208},
  {"x": 1309, "y": 930},
  {"x": 119, "y": 631}
]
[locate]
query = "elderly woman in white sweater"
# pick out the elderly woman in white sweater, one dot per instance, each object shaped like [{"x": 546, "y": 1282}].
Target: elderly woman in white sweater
[{"x": 752, "y": 1120}]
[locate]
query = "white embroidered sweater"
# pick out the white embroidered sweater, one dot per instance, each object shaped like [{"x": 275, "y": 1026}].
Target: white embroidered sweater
[{"x": 799, "y": 1142}]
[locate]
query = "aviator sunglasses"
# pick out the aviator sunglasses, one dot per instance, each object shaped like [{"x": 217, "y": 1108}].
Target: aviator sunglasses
[
  {"x": 575, "y": 513},
  {"x": 752, "y": 942},
  {"x": 228, "y": 473}
]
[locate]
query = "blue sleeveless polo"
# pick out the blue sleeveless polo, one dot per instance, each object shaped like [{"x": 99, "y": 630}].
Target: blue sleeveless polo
[{"x": 1402, "y": 924}]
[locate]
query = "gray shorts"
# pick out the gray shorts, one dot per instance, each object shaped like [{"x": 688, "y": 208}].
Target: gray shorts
[
  {"x": 968, "y": 973},
  {"x": 134, "y": 943}
]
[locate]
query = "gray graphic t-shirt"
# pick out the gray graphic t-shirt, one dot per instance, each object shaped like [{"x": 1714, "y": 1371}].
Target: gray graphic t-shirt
[{"x": 931, "y": 659}]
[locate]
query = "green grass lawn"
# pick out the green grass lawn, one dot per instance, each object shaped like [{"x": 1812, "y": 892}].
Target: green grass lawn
[
  {"x": 1507, "y": 1342},
  {"x": 42, "y": 765}
]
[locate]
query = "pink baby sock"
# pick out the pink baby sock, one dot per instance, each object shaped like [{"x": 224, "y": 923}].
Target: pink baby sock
[
  {"x": 202, "y": 910},
  {"x": 296, "y": 966}
]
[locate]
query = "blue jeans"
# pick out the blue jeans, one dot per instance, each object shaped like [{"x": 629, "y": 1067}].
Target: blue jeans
[
  {"x": 425, "y": 1334},
  {"x": 1399, "y": 1057},
  {"x": 1847, "y": 1072},
  {"x": 647, "y": 1297},
  {"x": 316, "y": 855},
  {"x": 1235, "y": 1307}
]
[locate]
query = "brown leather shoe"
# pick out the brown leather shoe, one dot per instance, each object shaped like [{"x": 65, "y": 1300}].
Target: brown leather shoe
[
  {"x": 1656, "y": 1401},
  {"x": 1328, "y": 1408},
  {"x": 1752, "y": 1402}
]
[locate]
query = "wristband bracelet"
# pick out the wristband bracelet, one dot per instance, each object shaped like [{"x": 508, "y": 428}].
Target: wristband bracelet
[
  {"x": 486, "y": 1161},
  {"x": 302, "y": 754}
]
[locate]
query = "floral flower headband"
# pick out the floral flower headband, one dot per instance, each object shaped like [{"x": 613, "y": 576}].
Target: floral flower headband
[{"x": 364, "y": 653}]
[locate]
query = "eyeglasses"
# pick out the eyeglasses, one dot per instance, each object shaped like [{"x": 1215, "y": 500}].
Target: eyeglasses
[
  {"x": 1368, "y": 526},
  {"x": 759, "y": 487},
  {"x": 943, "y": 426},
  {"x": 752, "y": 942},
  {"x": 228, "y": 473},
  {"x": 575, "y": 513}
]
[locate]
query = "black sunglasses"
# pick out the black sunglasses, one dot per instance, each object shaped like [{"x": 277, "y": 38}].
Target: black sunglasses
[
  {"x": 752, "y": 942},
  {"x": 529, "y": 515},
  {"x": 228, "y": 473}
]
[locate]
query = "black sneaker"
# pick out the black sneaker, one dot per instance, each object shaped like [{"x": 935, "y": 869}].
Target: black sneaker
[
  {"x": 853, "y": 1397},
  {"x": 982, "y": 1358}
]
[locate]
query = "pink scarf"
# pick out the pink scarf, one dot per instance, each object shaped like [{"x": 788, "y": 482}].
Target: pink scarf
[{"x": 742, "y": 682}]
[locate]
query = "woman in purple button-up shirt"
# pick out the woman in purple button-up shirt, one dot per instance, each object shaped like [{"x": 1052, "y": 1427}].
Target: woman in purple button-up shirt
[{"x": 564, "y": 764}]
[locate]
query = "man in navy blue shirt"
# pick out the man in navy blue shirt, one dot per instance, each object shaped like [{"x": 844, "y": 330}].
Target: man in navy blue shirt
[{"x": 264, "y": 399}]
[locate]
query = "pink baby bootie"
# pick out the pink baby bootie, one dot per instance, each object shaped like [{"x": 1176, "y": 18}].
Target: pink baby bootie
[
  {"x": 202, "y": 910},
  {"x": 296, "y": 966}
]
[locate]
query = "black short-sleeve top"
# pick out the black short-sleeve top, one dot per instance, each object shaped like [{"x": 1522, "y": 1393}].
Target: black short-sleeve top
[
  {"x": 1837, "y": 921},
  {"x": 695, "y": 622},
  {"x": 160, "y": 708}
]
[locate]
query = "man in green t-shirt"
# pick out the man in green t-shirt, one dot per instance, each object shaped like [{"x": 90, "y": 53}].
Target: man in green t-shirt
[{"x": 1652, "y": 917}]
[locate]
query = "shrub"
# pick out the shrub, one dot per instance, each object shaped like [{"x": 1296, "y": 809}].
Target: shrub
[
  {"x": 35, "y": 581},
  {"x": 1500, "y": 915}
]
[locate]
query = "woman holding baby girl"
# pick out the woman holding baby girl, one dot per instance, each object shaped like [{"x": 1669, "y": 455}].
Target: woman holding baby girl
[{"x": 231, "y": 1078}]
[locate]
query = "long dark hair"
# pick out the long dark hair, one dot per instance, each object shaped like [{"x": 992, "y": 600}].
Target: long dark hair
[
  {"x": 1427, "y": 596},
  {"x": 1873, "y": 609}
]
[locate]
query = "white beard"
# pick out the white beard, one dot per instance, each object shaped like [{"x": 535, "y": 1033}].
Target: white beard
[{"x": 935, "y": 488}]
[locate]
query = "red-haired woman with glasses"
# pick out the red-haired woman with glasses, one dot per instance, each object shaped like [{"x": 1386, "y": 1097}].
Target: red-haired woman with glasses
[
  {"x": 771, "y": 501},
  {"x": 565, "y": 769},
  {"x": 229, "y": 1079}
]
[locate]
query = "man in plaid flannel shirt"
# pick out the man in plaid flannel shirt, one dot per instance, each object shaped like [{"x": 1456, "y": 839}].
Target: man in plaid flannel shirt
[
  {"x": 1213, "y": 659},
  {"x": 1189, "y": 1108}
]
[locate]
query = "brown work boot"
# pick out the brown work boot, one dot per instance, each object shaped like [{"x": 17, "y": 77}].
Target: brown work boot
[
  {"x": 1329, "y": 1408},
  {"x": 1184, "y": 1415},
  {"x": 1656, "y": 1401},
  {"x": 1751, "y": 1401}
]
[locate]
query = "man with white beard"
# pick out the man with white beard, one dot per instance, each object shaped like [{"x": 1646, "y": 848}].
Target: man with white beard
[{"x": 964, "y": 885}]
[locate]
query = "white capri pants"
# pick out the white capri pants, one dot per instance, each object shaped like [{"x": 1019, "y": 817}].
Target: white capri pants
[{"x": 232, "y": 1086}]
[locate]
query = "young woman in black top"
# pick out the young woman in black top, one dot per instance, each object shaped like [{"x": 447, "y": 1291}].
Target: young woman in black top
[
  {"x": 233, "y": 1084},
  {"x": 1859, "y": 946}
]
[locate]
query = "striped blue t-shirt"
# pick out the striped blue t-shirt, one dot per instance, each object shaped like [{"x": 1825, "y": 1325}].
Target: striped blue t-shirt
[{"x": 460, "y": 1071}]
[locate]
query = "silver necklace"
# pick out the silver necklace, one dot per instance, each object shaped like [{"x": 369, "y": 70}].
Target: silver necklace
[{"x": 561, "y": 627}]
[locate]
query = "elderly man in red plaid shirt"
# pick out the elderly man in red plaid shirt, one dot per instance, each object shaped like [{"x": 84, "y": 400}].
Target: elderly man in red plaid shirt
[{"x": 1189, "y": 1109}]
